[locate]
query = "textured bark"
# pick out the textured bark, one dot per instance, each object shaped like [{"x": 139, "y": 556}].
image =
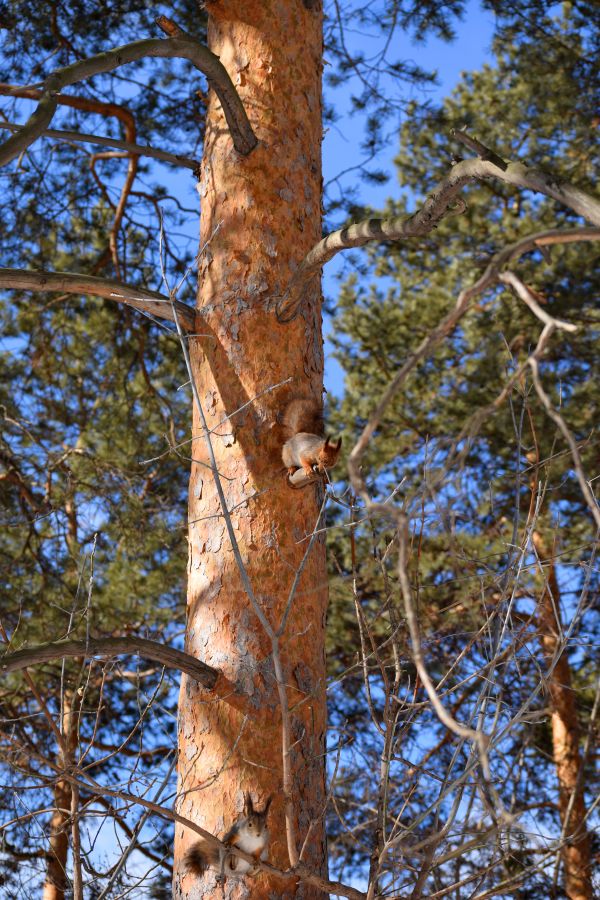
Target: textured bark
[
  {"x": 267, "y": 209},
  {"x": 565, "y": 737}
]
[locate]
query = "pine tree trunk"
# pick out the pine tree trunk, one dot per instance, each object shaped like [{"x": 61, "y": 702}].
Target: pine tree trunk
[
  {"x": 565, "y": 736},
  {"x": 260, "y": 214}
]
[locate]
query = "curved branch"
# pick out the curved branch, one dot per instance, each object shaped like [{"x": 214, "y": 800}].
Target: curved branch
[
  {"x": 581, "y": 202},
  {"x": 244, "y": 139},
  {"x": 74, "y": 283},
  {"x": 107, "y": 647},
  {"x": 85, "y": 104},
  {"x": 132, "y": 167},
  {"x": 436, "y": 207}
]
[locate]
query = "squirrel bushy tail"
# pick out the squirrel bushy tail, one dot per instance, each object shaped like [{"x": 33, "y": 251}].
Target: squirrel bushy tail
[
  {"x": 306, "y": 446},
  {"x": 303, "y": 414},
  {"x": 200, "y": 856}
]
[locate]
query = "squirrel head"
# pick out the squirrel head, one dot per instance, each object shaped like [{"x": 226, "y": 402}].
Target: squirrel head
[
  {"x": 328, "y": 456},
  {"x": 256, "y": 820}
]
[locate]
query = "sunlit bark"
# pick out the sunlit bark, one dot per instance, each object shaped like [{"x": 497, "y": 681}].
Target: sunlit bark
[
  {"x": 260, "y": 215},
  {"x": 565, "y": 737}
]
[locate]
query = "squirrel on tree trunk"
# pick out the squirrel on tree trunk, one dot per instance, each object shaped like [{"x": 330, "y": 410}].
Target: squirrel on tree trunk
[
  {"x": 307, "y": 446},
  {"x": 249, "y": 833}
]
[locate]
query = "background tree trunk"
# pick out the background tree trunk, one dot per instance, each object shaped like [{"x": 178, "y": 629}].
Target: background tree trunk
[
  {"x": 267, "y": 208},
  {"x": 58, "y": 844},
  {"x": 56, "y": 881},
  {"x": 565, "y": 736}
]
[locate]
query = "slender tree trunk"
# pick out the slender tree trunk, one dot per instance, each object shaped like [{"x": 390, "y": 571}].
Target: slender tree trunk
[
  {"x": 56, "y": 881},
  {"x": 65, "y": 801},
  {"x": 58, "y": 849},
  {"x": 565, "y": 736},
  {"x": 260, "y": 214}
]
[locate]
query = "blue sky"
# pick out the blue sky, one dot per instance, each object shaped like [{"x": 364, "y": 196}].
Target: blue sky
[{"x": 470, "y": 50}]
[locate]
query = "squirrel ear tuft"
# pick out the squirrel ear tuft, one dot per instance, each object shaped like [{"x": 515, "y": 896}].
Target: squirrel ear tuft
[
  {"x": 267, "y": 805},
  {"x": 248, "y": 805},
  {"x": 339, "y": 444}
]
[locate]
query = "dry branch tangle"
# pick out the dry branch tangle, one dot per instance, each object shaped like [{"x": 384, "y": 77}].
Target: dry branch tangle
[{"x": 491, "y": 275}]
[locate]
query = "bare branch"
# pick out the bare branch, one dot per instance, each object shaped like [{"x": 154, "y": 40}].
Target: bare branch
[
  {"x": 524, "y": 293},
  {"x": 469, "y": 734},
  {"x": 107, "y": 647},
  {"x": 437, "y": 206},
  {"x": 134, "y": 836},
  {"x": 73, "y": 283},
  {"x": 556, "y": 417},
  {"x": 135, "y": 149},
  {"x": 244, "y": 139}
]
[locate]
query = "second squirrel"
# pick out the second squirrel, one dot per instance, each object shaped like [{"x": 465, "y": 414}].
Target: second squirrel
[
  {"x": 307, "y": 446},
  {"x": 249, "y": 833}
]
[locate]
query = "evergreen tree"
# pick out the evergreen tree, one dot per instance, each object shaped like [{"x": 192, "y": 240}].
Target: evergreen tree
[
  {"x": 481, "y": 474},
  {"x": 96, "y": 442},
  {"x": 93, "y": 530}
]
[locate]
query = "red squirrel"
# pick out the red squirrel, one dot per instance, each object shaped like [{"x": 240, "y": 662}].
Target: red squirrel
[
  {"x": 249, "y": 833},
  {"x": 307, "y": 446}
]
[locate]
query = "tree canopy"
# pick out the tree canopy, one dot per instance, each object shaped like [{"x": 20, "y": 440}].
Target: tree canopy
[{"x": 462, "y": 537}]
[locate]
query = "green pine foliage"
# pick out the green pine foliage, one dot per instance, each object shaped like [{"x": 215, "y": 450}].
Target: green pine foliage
[
  {"x": 94, "y": 504},
  {"x": 461, "y": 463}
]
